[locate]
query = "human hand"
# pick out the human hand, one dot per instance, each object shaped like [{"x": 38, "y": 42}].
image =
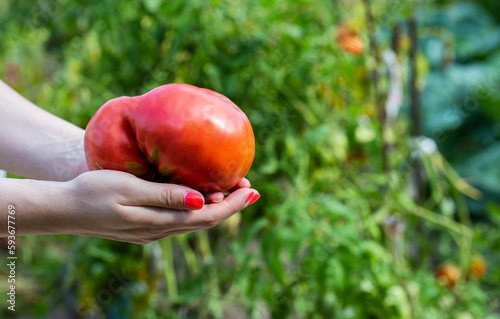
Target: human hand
[
  {"x": 119, "y": 206},
  {"x": 72, "y": 163}
]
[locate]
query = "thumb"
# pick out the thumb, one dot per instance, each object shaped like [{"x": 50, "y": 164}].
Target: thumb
[{"x": 165, "y": 195}]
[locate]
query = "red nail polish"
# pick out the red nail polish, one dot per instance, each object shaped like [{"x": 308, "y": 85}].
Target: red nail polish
[
  {"x": 254, "y": 199},
  {"x": 193, "y": 201},
  {"x": 249, "y": 197}
]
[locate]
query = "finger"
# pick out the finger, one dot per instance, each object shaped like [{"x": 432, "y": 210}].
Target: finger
[
  {"x": 170, "y": 196},
  {"x": 155, "y": 220},
  {"x": 215, "y": 197},
  {"x": 161, "y": 221},
  {"x": 207, "y": 217},
  {"x": 243, "y": 183},
  {"x": 213, "y": 214}
]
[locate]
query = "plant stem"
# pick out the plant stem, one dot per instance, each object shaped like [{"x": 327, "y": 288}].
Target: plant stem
[
  {"x": 379, "y": 99},
  {"x": 170, "y": 276},
  {"x": 204, "y": 245},
  {"x": 415, "y": 102},
  {"x": 414, "y": 92},
  {"x": 189, "y": 254},
  {"x": 396, "y": 38}
]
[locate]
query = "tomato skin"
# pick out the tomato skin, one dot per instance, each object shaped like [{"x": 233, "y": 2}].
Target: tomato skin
[
  {"x": 477, "y": 267},
  {"x": 448, "y": 274},
  {"x": 176, "y": 132},
  {"x": 349, "y": 40}
]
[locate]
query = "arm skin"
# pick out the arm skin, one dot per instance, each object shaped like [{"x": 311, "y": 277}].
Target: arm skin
[
  {"x": 67, "y": 199},
  {"x": 35, "y": 143}
]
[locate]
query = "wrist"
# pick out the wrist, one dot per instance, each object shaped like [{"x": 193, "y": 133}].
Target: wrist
[
  {"x": 41, "y": 206},
  {"x": 67, "y": 160}
]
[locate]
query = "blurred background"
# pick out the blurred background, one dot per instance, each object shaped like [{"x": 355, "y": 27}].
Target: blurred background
[{"x": 377, "y": 128}]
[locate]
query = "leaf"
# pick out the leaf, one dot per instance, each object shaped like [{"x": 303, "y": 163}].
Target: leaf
[
  {"x": 483, "y": 168},
  {"x": 152, "y": 5}
]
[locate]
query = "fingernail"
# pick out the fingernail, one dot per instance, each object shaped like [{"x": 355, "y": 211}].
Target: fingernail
[
  {"x": 249, "y": 197},
  {"x": 216, "y": 199},
  {"x": 254, "y": 199},
  {"x": 194, "y": 201}
]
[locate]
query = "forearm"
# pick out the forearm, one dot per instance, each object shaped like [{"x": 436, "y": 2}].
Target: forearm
[
  {"x": 40, "y": 207},
  {"x": 35, "y": 143}
]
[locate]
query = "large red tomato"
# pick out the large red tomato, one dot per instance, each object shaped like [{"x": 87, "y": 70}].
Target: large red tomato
[{"x": 175, "y": 133}]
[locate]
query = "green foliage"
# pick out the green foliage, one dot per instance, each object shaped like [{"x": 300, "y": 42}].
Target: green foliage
[
  {"x": 334, "y": 235},
  {"x": 462, "y": 44}
]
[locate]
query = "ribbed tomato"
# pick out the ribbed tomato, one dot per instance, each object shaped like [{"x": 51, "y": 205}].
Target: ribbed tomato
[{"x": 175, "y": 133}]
